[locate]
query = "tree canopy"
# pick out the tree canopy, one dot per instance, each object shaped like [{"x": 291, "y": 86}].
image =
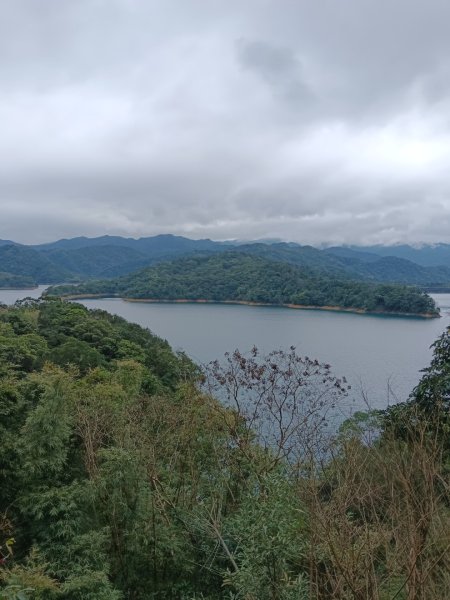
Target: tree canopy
[
  {"x": 126, "y": 472},
  {"x": 235, "y": 276}
]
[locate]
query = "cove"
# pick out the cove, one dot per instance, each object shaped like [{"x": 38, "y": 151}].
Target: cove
[{"x": 380, "y": 356}]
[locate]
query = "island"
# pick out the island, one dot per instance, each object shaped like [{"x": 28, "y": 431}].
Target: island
[{"x": 236, "y": 277}]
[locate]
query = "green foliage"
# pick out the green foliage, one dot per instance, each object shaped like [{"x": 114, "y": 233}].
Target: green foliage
[
  {"x": 21, "y": 353},
  {"x": 269, "y": 535},
  {"x": 47, "y": 429},
  {"x": 235, "y": 276},
  {"x": 120, "y": 478},
  {"x": 429, "y": 402},
  {"x": 29, "y": 581},
  {"x": 8, "y": 280},
  {"x": 94, "y": 338},
  {"x": 104, "y": 261},
  {"x": 113, "y": 256},
  {"x": 433, "y": 391},
  {"x": 78, "y": 353},
  {"x": 60, "y": 428},
  {"x": 30, "y": 266},
  {"x": 90, "y": 585},
  {"x": 15, "y": 592}
]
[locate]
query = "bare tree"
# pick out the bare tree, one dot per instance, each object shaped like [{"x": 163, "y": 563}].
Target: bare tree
[{"x": 280, "y": 399}]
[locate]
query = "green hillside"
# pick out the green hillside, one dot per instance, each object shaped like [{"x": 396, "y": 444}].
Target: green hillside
[
  {"x": 235, "y": 276},
  {"x": 124, "y": 477},
  {"x": 113, "y": 256},
  {"x": 98, "y": 261},
  {"x": 354, "y": 265},
  {"x": 8, "y": 280},
  {"x": 26, "y": 262},
  {"x": 426, "y": 255}
]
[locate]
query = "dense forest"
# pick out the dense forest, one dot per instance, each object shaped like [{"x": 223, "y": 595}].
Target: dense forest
[
  {"x": 350, "y": 264},
  {"x": 78, "y": 259},
  {"x": 24, "y": 262},
  {"x": 424, "y": 254},
  {"x": 236, "y": 276},
  {"x": 123, "y": 477},
  {"x": 82, "y": 258},
  {"x": 15, "y": 281}
]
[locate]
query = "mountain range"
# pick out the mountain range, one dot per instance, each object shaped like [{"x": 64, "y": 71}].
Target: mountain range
[{"x": 81, "y": 258}]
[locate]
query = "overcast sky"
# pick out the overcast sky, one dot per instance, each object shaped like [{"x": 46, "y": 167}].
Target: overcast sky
[{"x": 316, "y": 121}]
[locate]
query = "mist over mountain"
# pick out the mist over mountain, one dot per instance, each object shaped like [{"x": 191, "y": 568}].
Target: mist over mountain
[{"x": 425, "y": 254}]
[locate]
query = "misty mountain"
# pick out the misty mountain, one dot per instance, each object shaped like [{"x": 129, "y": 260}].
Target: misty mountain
[
  {"x": 353, "y": 264},
  {"x": 112, "y": 256},
  {"x": 25, "y": 262},
  {"x": 394, "y": 269},
  {"x": 96, "y": 261},
  {"x": 426, "y": 255},
  {"x": 346, "y": 252},
  {"x": 9, "y": 243},
  {"x": 158, "y": 245}
]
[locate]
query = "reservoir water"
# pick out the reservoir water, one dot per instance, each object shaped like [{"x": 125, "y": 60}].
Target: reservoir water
[
  {"x": 11, "y": 296},
  {"x": 380, "y": 356}
]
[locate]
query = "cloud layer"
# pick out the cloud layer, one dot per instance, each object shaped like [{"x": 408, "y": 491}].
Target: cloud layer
[{"x": 317, "y": 122}]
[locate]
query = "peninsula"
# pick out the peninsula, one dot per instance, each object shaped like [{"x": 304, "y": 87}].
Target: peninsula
[{"x": 236, "y": 277}]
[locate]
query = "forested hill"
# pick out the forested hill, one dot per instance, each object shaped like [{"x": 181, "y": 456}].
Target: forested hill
[
  {"x": 344, "y": 262},
  {"x": 24, "y": 262},
  {"x": 76, "y": 259},
  {"x": 121, "y": 475},
  {"x": 7, "y": 280},
  {"x": 426, "y": 255},
  {"x": 239, "y": 277}
]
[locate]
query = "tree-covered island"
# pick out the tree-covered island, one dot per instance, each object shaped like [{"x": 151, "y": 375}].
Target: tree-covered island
[{"x": 239, "y": 277}]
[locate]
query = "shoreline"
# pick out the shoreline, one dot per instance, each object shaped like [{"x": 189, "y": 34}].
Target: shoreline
[{"x": 359, "y": 311}]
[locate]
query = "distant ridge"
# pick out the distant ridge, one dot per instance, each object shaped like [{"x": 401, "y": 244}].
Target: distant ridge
[
  {"x": 9, "y": 243},
  {"x": 427, "y": 255},
  {"x": 80, "y": 258},
  {"x": 158, "y": 243}
]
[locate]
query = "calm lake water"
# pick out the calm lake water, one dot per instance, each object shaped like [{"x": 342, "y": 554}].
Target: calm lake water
[
  {"x": 380, "y": 356},
  {"x": 11, "y": 296}
]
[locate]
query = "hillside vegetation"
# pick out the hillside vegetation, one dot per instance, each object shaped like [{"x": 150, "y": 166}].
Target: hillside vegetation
[
  {"x": 123, "y": 477},
  {"x": 235, "y": 276},
  {"x": 83, "y": 258},
  {"x": 427, "y": 255},
  {"x": 22, "y": 261},
  {"x": 112, "y": 256},
  {"x": 7, "y": 280},
  {"x": 349, "y": 264}
]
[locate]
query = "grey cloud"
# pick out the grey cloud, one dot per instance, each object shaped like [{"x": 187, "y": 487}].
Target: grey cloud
[
  {"x": 315, "y": 122},
  {"x": 278, "y": 66}
]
